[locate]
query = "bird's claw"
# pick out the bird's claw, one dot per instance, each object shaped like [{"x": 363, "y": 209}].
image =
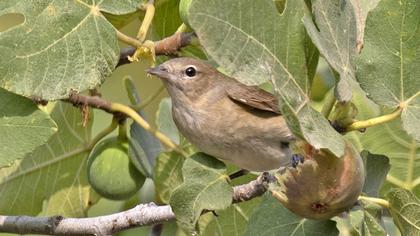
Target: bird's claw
[{"x": 296, "y": 159}]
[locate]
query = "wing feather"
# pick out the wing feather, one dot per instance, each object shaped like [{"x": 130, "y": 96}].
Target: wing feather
[{"x": 253, "y": 96}]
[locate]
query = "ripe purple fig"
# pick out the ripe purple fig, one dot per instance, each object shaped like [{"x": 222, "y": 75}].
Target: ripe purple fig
[{"x": 324, "y": 185}]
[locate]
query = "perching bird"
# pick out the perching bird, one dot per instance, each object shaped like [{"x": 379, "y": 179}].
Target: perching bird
[{"x": 224, "y": 118}]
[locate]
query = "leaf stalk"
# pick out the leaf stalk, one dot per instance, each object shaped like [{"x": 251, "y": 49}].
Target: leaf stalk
[{"x": 358, "y": 125}]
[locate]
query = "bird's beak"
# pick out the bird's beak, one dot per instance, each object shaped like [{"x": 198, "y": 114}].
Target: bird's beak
[{"x": 159, "y": 71}]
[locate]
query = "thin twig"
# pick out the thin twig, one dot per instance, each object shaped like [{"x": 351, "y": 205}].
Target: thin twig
[
  {"x": 167, "y": 46},
  {"x": 147, "y": 20},
  {"x": 358, "y": 125}
]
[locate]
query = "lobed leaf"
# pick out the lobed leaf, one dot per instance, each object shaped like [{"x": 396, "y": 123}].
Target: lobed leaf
[
  {"x": 388, "y": 65},
  {"x": 53, "y": 178},
  {"x": 23, "y": 127},
  {"x": 61, "y": 46}
]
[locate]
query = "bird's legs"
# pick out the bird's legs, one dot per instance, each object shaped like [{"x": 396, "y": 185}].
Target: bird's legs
[{"x": 296, "y": 159}]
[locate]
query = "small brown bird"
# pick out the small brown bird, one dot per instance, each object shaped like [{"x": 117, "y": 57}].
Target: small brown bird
[{"x": 224, "y": 118}]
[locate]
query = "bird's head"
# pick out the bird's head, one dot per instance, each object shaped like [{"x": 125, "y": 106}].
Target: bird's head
[{"x": 186, "y": 77}]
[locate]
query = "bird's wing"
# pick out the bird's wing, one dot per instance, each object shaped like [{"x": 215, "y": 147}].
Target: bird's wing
[{"x": 253, "y": 96}]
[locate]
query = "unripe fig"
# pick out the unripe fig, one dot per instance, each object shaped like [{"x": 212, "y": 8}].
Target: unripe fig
[
  {"x": 110, "y": 171},
  {"x": 324, "y": 185}
]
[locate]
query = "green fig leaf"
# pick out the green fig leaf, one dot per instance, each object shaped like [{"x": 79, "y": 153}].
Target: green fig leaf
[
  {"x": 205, "y": 187},
  {"x": 389, "y": 139},
  {"x": 23, "y": 127},
  {"x": 52, "y": 179},
  {"x": 388, "y": 65},
  {"x": 271, "y": 218},
  {"x": 334, "y": 32},
  {"x": 376, "y": 169},
  {"x": 62, "y": 46},
  {"x": 234, "y": 219},
  {"x": 168, "y": 174},
  {"x": 405, "y": 210}
]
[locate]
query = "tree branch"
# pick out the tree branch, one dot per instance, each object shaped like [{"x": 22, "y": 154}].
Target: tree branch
[
  {"x": 167, "y": 46},
  {"x": 141, "y": 215}
]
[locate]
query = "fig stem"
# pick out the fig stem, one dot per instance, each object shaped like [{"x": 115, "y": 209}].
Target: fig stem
[
  {"x": 102, "y": 134},
  {"x": 122, "y": 131},
  {"x": 362, "y": 124},
  {"x": 382, "y": 202},
  {"x": 128, "y": 40},
  {"x": 147, "y": 20},
  {"x": 130, "y": 112}
]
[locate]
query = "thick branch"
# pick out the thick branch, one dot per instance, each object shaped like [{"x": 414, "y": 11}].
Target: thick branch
[
  {"x": 252, "y": 189},
  {"x": 141, "y": 215},
  {"x": 91, "y": 101},
  {"x": 144, "y": 214},
  {"x": 167, "y": 46}
]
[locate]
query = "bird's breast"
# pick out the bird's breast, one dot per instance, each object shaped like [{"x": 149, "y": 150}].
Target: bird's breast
[{"x": 226, "y": 131}]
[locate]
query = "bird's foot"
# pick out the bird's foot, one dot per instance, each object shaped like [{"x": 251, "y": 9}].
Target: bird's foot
[{"x": 296, "y": 159}]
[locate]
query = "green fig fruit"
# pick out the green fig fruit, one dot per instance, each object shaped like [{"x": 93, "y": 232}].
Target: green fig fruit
[
  {"x": 110, "y": 171},
  {"x": 324, "y": 185}
]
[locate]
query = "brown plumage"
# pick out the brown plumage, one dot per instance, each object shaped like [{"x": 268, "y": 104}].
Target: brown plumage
[{"x": 224, "y": 118}]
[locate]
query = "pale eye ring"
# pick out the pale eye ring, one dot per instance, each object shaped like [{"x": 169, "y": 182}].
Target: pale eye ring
[{"x": 190, "y": 71}]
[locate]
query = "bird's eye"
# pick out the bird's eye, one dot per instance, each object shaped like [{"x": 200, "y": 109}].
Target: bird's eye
[{"x": 190, "y": 71}]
